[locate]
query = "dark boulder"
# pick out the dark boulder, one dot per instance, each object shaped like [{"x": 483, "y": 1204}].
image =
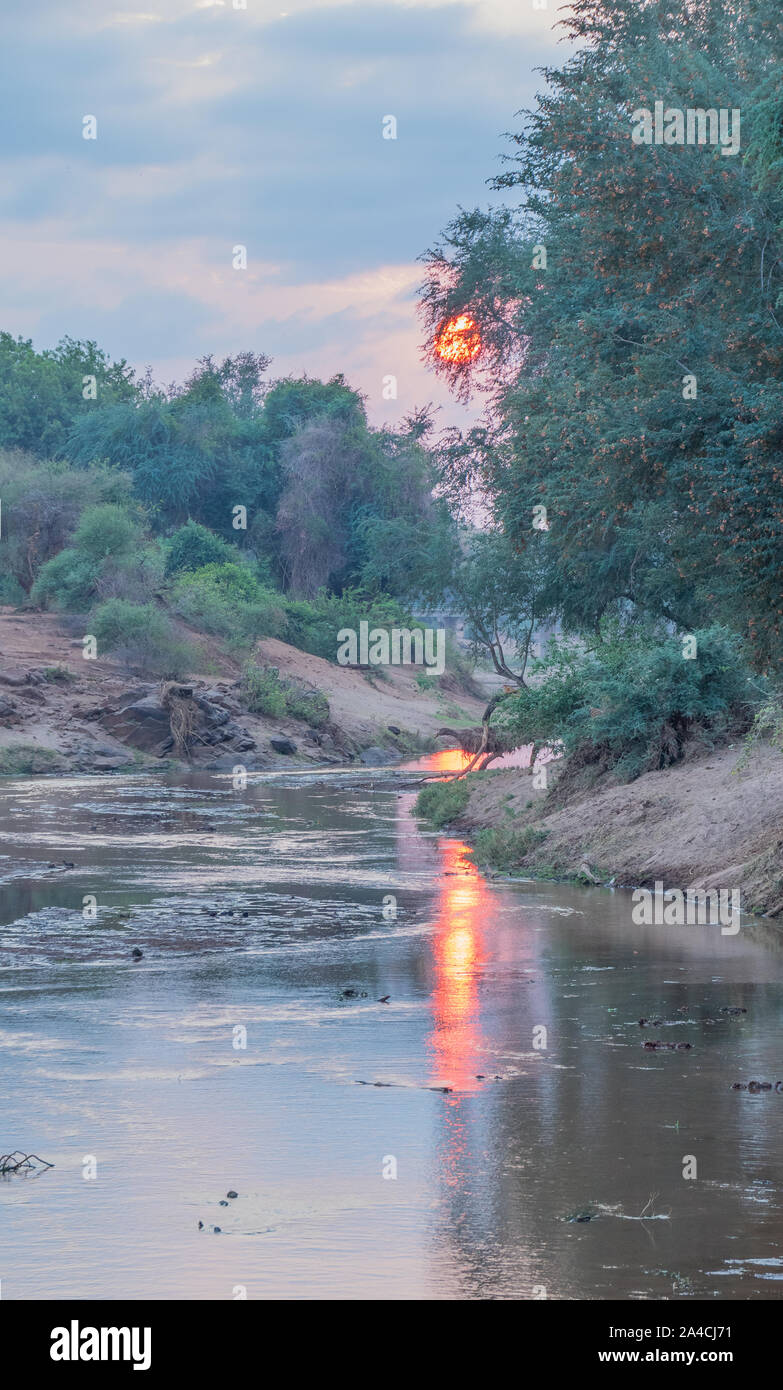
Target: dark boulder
[
  {"x": 283, "y": 745},
  {"x": 378, "y": 757}
]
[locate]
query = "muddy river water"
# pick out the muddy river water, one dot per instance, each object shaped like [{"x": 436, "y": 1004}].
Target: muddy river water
[{"x": 472, "y": 1162}]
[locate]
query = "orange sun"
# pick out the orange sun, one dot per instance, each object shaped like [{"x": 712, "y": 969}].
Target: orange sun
[{"x": 459, "y": 340}]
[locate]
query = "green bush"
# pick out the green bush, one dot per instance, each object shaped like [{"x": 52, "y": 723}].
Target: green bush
[
  {"x": 143, "y": 637},
  {"x": 137, "y": 577},
  {"x": 11, "y": 591},
  {"x": 633, "y": 702},
  {"x": 263, "y": 691},
  {"x": 309, "y": 705},
  {"x": 441, "y": 802},
  {"x": 103, "y": 530},
  {"x": 266, "y": 692},
  {"x": 227, "y": 600},
  {"x": 504, "y": 848},
  {"x": 42, "y": 504},
  {"x": 313, "y": 624},
  {"x": 117, "y": 621},
  {"x": 26, "y": 760},
  {"x": 66, "y": 582},
  {"x": 193, "y": 546}
]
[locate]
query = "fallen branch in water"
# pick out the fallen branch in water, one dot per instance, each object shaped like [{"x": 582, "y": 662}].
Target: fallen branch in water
[{"x": 16, "y": 1161}]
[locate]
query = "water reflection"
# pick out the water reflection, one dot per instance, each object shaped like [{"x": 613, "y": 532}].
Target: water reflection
[
  {"x": 262, "y": 921},
  {"x": 464, "y": 903}
]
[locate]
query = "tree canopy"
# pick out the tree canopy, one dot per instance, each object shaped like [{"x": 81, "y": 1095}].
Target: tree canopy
[{"x": 629, "y": 303}]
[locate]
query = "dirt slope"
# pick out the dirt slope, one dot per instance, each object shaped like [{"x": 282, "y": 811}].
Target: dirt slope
[
  {"x": 703, "y": 823},
  {"x": 77, "y": 721}
]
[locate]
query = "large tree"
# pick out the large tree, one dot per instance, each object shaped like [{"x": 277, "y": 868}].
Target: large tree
[{"x": 629, "y": 310}]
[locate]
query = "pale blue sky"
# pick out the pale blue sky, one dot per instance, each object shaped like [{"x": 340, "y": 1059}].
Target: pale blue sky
[{"x": 261, "y": 126}]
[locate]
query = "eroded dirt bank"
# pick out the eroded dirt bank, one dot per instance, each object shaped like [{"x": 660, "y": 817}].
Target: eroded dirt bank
[
  {"x": 61, "y": 713},
  {"x": 708, "y": 822}
]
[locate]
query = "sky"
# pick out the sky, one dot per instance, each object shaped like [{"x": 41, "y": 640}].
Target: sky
[{"x": 263, "y": 127}]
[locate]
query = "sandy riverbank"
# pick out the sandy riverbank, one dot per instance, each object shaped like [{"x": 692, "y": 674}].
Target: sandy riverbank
[
  {"x": 72, "y": 714},
  {"x": 707, "y": 822}
]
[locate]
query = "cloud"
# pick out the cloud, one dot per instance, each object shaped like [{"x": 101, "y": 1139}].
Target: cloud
[{"x": 263, "y": 126}]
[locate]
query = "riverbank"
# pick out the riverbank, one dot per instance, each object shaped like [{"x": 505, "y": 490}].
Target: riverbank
[
  {"x": 714, "y": 821},
  {"x": 61, "y": 713}
]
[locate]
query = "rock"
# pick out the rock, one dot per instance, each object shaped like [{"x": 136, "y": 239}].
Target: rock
[
  {"x": 232, "y": 1193},
  {"x": 214, "y": 716},
  {"x": 6, "y": 707},
  {"x": 283, "y": 745},
  {"x": 393, "y": 729},
  {"x": 144, "y": 724},
  {"x": 33, "y": 694},
  {"x": 378, "y": 757},
  {"x": 136, "y": 953}
]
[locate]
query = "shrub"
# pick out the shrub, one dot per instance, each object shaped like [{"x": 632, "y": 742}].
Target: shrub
[
  {"x": 441, "y": 802},
  {"x": 313, "y": 624},
  {"x": 193, "y": 546},
  {"x": 142, "y": 637},
  {"x": 227, "y": 600},
  {"x": 265, "y": 692},
  {"x": 136, "y": 577},
  {"x": 634, "y": 702},
  {"x": 59, "y": 673},
  {"x": 308, "y": 704},
  {"x": 504, "y": 848},
  {"x": 66, "y": 582},
  {"x": 103, "y": 530},
  {"x": 117, "y": 621},
  {"x": 42, "y": 503},
  {"x": 11, "y": 590},
  {"x": 102, "y": 543},
  {"x": 26, "y": 759}
]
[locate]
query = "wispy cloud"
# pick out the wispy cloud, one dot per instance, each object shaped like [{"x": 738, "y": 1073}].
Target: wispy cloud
[{"x": 219, "y": 126}]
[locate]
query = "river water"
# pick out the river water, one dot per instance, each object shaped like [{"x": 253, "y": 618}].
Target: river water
[{"x": 420, "y": 1148}]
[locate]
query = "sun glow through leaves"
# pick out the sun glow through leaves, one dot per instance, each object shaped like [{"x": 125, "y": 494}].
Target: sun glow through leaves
[{"x": 459, "y": 340}]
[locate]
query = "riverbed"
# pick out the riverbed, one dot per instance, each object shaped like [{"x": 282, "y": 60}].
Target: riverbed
[{"x": 338, "y": 1018}]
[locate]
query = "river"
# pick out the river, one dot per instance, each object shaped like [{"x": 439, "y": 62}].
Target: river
[{"x": 424, "y": 1147}]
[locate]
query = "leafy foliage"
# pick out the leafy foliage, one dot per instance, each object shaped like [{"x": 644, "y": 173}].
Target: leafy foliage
[
  {"x": 42, "y": 505},
  {"x": 441, "y": 802},
  {"x": 662, "y": 262},
  {"x": 266, "y": 692},
  {"x": 193, "y": 546},
  {"x": 227, "y": 600},
  {"x": 144, "y": 638},
  {"x": 632, "y": 703}
]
